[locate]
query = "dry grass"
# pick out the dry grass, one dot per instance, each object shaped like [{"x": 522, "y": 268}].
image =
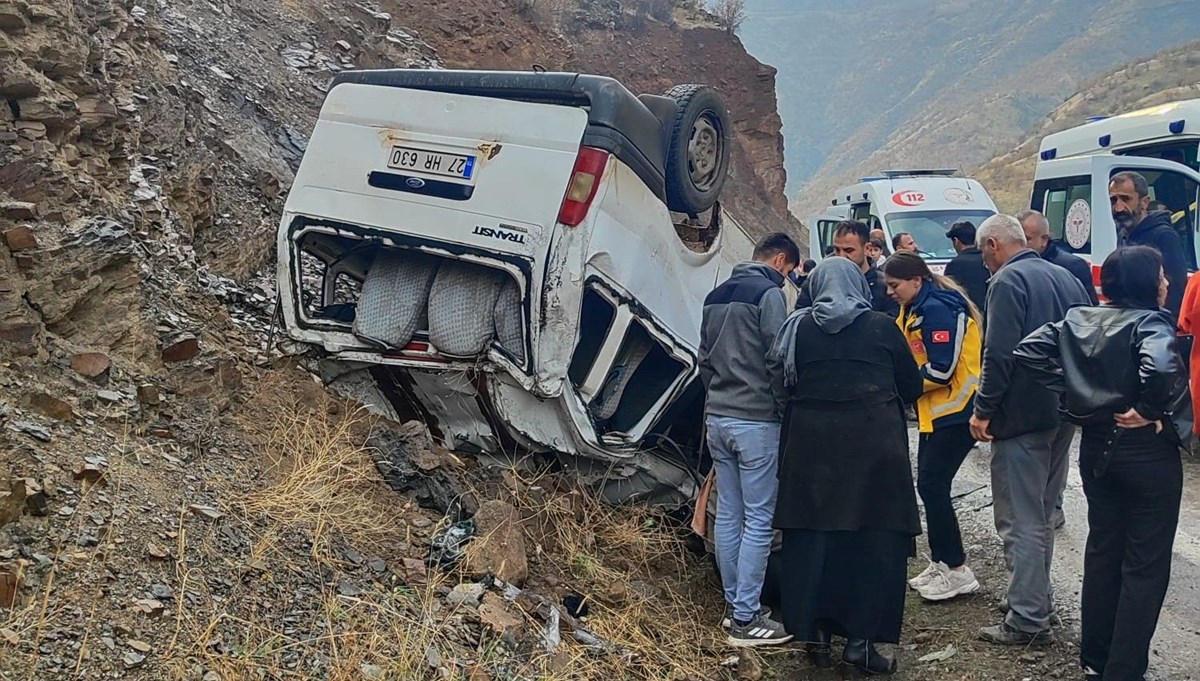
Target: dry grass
[
  {"x": 320, "y": 475},
  {"x": 647, "y": 596},
  {"x": 270, "y": 606}
]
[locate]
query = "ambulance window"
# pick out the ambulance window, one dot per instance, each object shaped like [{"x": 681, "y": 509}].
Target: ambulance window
[
  {"x": 861, "y": 212},
  {"x": 1067, "y": 200},
  {"x": 825, "y": 230},
  {"x": 1175, "y": 194},
  {"x": 1178, "y": 151}
]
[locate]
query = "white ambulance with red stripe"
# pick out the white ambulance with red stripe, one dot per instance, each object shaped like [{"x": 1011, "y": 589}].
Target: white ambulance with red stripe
[
  {"x": 922, "y": 203},
  {"x": 1074, "y": 167}
]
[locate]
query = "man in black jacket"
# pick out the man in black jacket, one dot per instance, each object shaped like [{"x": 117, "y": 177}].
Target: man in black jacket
[
  {"x": 967, "y": 267},
  {"x": 1037, "y": 235},
  {"x": 1129, "y": 196},
  {"x": 1019, "y": 416},
  {"x": 850, "y": 239}
]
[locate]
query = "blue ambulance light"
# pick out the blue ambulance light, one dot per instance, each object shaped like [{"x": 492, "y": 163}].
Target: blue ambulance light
[
  {"x": 1105, "y": 140},
  {"x": 1049, "y": 154},
  {"x": 1094, "y": 119},
  {"x": 1176, "y": 127}
]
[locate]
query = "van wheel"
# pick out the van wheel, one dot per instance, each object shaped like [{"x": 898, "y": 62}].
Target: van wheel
[{"x": 698, "y": 152}]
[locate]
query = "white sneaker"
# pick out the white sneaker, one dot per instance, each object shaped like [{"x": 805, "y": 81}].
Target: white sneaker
[
  {"x": 927, "y": 576},
  {"x": 948, "y": 584}
]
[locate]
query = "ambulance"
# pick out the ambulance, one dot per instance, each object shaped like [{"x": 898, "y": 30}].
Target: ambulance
[
  {"x": 1074, "y": 167},
  {"x": 923, "y": 203}
]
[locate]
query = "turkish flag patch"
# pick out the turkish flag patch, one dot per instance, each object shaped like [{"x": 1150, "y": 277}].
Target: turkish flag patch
[{"x": 940, "y": 336}]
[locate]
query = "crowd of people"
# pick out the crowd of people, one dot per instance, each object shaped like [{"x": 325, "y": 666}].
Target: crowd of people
[{"x": 806, "y": 423}]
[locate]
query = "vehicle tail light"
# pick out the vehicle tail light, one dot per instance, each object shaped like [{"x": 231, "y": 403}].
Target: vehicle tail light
[
  {"x": 417, "y": 351},
  {"x": 585, "y": 181}
]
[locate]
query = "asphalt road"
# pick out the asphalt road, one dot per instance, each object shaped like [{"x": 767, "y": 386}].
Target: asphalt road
[{"x": 1175, "y": 653}]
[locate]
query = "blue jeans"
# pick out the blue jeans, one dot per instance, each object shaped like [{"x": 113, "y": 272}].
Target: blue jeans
[{"x": 745, "y": 455}]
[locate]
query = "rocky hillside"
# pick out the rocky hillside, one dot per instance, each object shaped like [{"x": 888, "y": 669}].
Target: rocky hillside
[
  {"x": 1167, "y": 76},
  {"x": 868, "y": 85}
]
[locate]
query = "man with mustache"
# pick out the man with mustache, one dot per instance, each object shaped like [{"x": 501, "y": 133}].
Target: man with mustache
[{"x": 1129, "y": 197}]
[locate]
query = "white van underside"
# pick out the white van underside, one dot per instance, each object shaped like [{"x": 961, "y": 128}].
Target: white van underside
[{"x": 441, "y": 331}]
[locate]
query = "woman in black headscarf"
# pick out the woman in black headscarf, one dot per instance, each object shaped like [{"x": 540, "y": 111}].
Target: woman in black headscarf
[{"x": 846, "y": 503}]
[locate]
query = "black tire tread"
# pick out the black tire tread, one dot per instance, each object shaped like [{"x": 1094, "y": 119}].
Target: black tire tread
[{"x": 683, "y": 96}]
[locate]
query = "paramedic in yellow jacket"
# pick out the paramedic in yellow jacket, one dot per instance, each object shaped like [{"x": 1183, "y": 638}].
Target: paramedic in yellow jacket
[{"x": 942, "y": 327}]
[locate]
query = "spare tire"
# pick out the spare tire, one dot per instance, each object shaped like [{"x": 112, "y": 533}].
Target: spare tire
[{"x": 698, "y": 149}]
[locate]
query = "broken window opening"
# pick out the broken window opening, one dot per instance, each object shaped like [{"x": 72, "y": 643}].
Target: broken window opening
[
  {"x": 640, "y": 376},
  {"x": 312, "y": 284},
  {"x": 389, "y": 297},
  {"x": 652, "y": 378},
  {"x": 595, "y": 322}
]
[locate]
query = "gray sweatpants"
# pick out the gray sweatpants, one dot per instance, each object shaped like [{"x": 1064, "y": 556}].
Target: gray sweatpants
[{"x": 1029, "y": 473}]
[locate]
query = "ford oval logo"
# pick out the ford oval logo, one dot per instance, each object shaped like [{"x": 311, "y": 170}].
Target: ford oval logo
[{"x": 415, "y": 183}]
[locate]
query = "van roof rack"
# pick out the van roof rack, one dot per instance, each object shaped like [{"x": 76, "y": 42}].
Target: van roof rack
[{"x": 917, "y": 172}]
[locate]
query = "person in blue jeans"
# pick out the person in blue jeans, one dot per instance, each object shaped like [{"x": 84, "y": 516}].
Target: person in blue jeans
[{"x": 743, "y": 413}]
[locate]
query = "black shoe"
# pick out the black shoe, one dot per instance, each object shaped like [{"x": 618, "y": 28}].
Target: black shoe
[
  {"x": 820, "y": 652},
  {"x": 862, "y": 655},
  {"x": 1004, "y": 635}
]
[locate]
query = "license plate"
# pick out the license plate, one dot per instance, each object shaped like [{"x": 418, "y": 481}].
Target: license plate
[{"x": 432, "y": 162}]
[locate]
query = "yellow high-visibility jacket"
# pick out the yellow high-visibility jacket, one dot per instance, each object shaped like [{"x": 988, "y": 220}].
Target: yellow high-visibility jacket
[{"x": 947, "y": 344}]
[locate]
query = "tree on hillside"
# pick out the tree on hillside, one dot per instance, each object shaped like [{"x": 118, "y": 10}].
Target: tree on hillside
[{"x": 730, "y": 14}]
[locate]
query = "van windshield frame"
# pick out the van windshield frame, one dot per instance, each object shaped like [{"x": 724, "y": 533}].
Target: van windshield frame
[{"x": 929, "y": 228}]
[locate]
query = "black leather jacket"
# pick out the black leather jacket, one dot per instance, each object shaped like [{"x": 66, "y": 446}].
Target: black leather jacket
[{"x": 1104, "y": 360}]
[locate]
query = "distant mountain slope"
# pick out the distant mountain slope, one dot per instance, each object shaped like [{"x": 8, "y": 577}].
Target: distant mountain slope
[
  {"x": 1167, "y": 76},
  {"x": 869, "y": 84}
]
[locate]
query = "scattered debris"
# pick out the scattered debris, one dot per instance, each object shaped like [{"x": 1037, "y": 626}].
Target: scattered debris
[
  {"x": 499, "y": 544},
  {"x": 205, "y": 512},
  {"x": 940, "y": 655},
  {"x": 447, "y": 547}
]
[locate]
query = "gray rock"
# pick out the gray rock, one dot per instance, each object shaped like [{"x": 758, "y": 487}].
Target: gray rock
[
  {"x": 31, "y": 429},
  {"x": 466, "y": 594},
  {"x": 133, "y": 660}
]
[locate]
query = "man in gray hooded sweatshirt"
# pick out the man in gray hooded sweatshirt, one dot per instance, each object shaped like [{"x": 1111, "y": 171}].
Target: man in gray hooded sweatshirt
[{"x": 743, "y": 414}]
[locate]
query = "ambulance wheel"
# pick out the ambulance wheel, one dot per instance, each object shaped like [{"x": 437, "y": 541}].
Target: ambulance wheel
[{"x": 698, "y": 151}]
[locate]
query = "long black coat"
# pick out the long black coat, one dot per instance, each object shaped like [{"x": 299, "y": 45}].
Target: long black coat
[{"x": 844, "y": 463}]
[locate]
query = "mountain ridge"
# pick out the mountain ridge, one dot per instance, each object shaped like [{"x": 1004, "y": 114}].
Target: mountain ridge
[{"x": 856, "y": 97}]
